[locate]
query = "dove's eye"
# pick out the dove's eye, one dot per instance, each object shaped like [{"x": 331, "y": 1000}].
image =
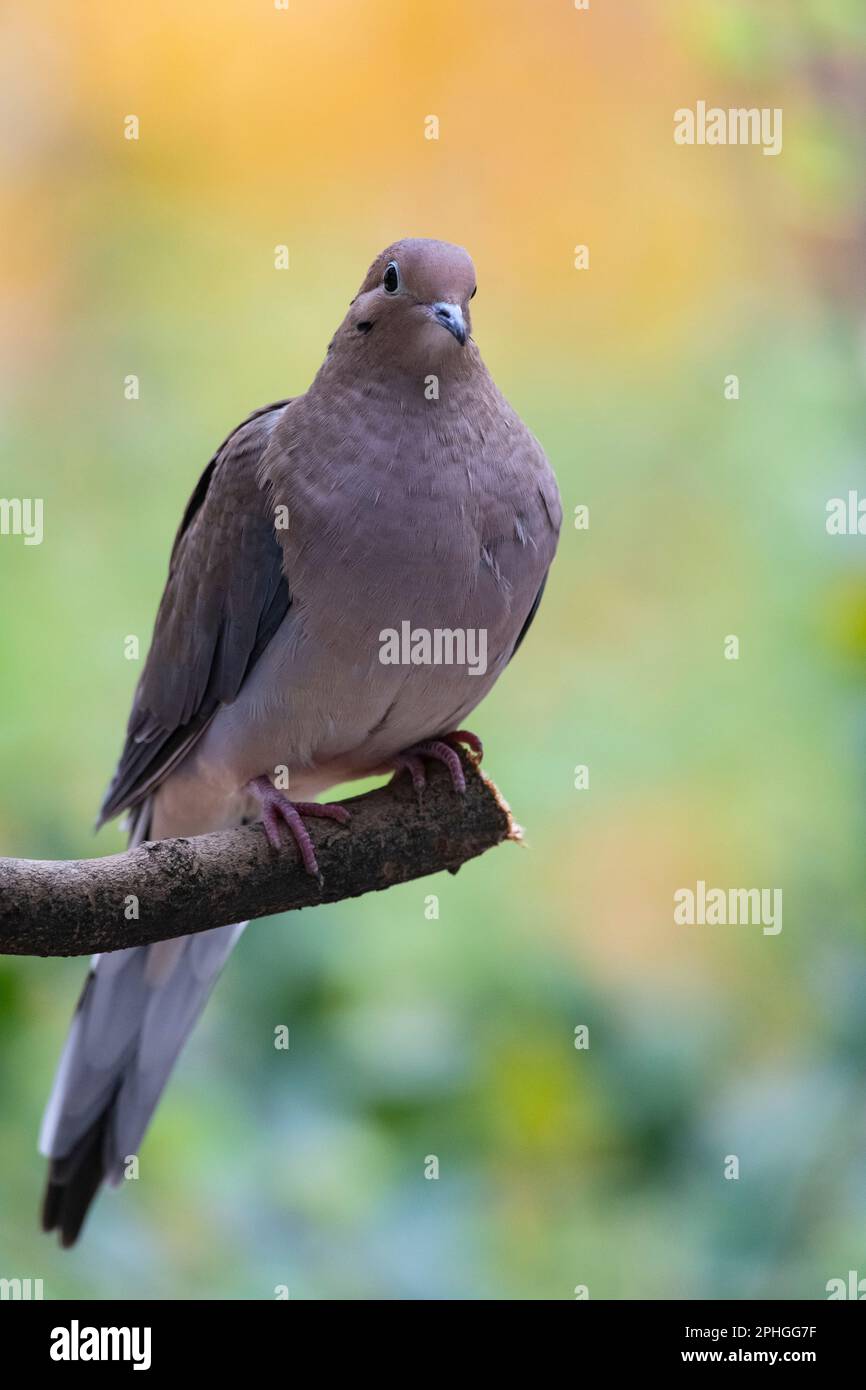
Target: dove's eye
[
  {"x": 474, "y": 292},
  {"x": 391, "y": 279}
]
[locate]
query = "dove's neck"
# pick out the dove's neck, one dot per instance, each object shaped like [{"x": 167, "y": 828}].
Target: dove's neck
[{"x": 403, "y": 382}]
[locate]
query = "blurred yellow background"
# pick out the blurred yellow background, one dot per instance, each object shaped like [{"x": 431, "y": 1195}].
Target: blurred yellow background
[{"x": 155, "y": 257}]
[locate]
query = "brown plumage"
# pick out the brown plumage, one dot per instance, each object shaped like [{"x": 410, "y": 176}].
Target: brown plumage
[{"x": 401, "y": 487}]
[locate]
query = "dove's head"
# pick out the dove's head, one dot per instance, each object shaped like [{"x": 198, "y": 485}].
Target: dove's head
[{"x": 413, "y": 307}]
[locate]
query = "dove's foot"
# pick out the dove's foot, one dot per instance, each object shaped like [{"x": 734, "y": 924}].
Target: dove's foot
[
  {"x": 277, "y": 810},
  {"x": 441, "y": 750}
]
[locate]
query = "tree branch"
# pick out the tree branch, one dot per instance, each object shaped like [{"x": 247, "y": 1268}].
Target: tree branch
[{"x": 78, "y": 906}]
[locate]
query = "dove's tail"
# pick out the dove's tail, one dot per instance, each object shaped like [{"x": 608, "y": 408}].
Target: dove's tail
[{"x": 136, "y": 1011}]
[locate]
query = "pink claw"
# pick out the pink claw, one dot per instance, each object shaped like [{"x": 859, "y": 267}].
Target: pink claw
[
  {"x": 441, "y": 750},
  {"x": 277, "y": 810},
  {"x": 472, "y": 742},
  {"x": 408, "y": 762}
]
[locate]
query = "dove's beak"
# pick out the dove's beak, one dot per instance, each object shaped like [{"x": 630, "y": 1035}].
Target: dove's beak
[{"x": 451, "y": 317}]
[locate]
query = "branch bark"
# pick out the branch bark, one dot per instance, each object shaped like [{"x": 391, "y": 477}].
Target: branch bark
[{"x": 79, "y": 906}]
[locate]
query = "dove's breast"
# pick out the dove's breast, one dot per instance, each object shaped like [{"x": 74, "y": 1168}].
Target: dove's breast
[{"x": 414, "y": 553}]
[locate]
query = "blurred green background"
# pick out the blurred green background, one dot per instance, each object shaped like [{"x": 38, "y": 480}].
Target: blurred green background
[{"x": 454, "y": 1037}]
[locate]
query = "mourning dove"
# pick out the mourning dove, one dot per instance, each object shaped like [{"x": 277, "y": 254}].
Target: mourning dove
[{"x": 341, "y": 553}]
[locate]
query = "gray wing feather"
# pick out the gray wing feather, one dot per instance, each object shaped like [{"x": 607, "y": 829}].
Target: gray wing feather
[
  {"x": 172, "y": 1010},
  {"x": 124, "y": 1041},
  {"x": 225, "y": 597}
]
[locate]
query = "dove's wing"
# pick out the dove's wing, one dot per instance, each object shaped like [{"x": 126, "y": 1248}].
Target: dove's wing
[
  {"x": 225, "y": 597},
  {"x": 137, "y": 1010}
]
